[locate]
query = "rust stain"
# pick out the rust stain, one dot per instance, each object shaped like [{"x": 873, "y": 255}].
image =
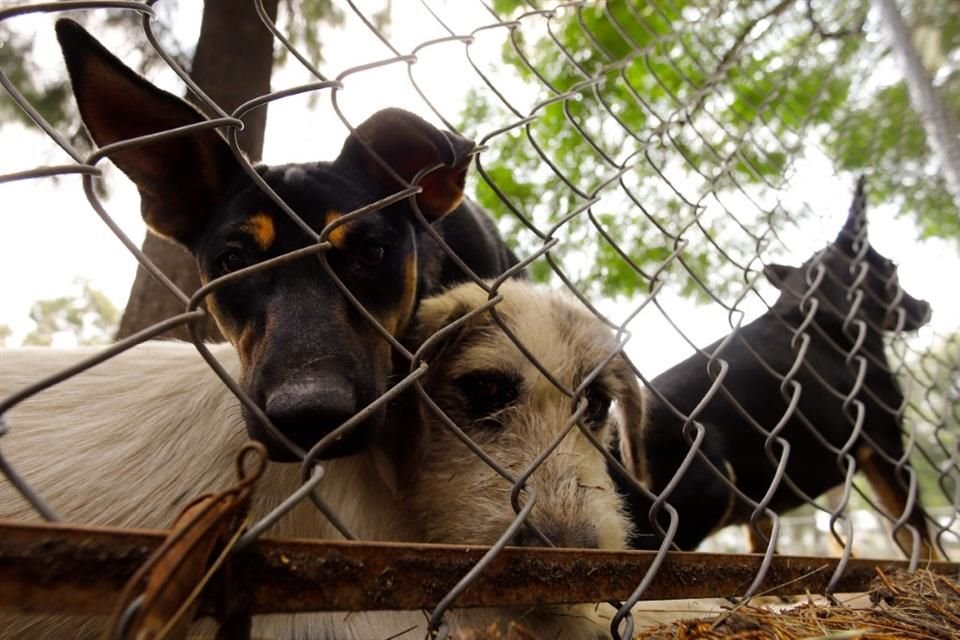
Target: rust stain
[{"x": 57, "y": 568}]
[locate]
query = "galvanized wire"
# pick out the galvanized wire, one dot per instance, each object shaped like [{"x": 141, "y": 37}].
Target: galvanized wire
[{"x": 683, "y": 118}]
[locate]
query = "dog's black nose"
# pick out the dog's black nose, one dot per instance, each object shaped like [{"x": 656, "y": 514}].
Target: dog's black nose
[
  {"x": 582, "y": 536},
  {"x": 526, "y": 537},
  {"x": 307, "y": 410},
  {"x": 575, "y": 536}
]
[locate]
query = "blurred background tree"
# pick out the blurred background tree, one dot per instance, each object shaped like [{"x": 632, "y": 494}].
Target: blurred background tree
[
  {"x": 720, "y": 102},
  {"x": 84, "y": 317},
  {"x": 229, "y": 31}
]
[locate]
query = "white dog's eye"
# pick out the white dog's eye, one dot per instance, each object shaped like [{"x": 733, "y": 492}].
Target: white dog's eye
[
  {"x": 487, "y": 392},
  {"x": 598, "y": 405}
]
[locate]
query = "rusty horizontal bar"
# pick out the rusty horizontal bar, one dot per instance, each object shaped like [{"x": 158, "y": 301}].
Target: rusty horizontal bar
[{"x": 56, "y": 568}]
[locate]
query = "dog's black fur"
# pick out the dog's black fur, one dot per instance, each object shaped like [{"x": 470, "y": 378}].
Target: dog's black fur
[
  {"x": 858, "y": 291},
  {"x": 310, "y": 359}
]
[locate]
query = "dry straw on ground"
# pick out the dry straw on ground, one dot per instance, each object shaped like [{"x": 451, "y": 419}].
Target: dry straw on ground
[{"x": 917, "y": 606}]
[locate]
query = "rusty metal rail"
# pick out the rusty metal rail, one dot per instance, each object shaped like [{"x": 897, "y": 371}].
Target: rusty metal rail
[{"x": 57, "y": 568}]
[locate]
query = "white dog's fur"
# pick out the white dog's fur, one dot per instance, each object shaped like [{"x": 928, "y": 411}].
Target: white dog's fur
[{"x": 131, "y": 441}]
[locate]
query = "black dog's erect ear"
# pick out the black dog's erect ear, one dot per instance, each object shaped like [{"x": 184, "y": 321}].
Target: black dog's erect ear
[
  {"x": 180, "y": 178},
  {"x": 410, "y": 144},
  {"x": 855, "y": 225},
  {"x": 777, "y": 274}
]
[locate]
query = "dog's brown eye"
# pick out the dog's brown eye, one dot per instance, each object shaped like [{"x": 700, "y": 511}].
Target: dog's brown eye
[
  {"x": 598, "y": 405},
  {"x": 230, "y": 260},
  {"x": 372, "y": 254},
  {"x": 487, "y": 392}
]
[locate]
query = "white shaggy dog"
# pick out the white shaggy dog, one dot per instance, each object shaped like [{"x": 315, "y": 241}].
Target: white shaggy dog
[{"x": 131, "y": 441}]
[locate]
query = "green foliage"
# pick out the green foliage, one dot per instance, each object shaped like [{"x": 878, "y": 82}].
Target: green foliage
[
  {"x": 89, "y": 316},
  {"x": 885, "y": 139},
  {"x": 49, "y": 93},
  {"x": 17, "y": 62},
  {"x": 52, "y": 98},
  {"x": 301, "y": 26},
  {"x": 5, "y": 332},
  {"x": 669, "y": 110}
]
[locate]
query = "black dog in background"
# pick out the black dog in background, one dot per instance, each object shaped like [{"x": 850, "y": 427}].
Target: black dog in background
[{"x": 841, "y": 300}]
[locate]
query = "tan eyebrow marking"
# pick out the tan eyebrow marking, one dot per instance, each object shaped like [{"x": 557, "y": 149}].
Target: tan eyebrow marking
[
  {"x": 396, "y": 321},
  {"x": 260, "y": 226},
  {"x": 337, "y": 235}
]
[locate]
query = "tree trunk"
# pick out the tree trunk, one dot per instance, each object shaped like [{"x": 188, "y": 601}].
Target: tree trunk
[{"x": 232, "y": 64}]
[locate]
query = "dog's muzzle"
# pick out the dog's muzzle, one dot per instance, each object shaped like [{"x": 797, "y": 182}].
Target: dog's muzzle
[
  {"x": 305, "y": 412},
  {"x": 576, "y": 536},
  {"x": 916, "y": 313}
]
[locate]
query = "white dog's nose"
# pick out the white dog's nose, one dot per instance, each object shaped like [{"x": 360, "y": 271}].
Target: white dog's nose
[{"x": 572, "y": 535}]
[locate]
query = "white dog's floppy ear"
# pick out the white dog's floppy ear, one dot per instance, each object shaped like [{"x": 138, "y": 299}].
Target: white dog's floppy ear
[
  {"x": 630, "y": 425},
  {"x": 398, "y": 452}
]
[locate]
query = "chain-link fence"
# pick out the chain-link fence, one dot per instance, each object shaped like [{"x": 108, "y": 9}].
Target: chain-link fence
[{"x": 653, "y": 161}]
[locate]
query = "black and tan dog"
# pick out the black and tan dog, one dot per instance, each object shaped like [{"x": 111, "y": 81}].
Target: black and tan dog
[
  {"x": 842, "y": 300},
  {"x": 311, "y": 360}
]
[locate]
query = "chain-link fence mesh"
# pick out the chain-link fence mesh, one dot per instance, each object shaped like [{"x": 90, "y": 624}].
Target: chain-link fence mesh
[{"x": 653, "y": 160}]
